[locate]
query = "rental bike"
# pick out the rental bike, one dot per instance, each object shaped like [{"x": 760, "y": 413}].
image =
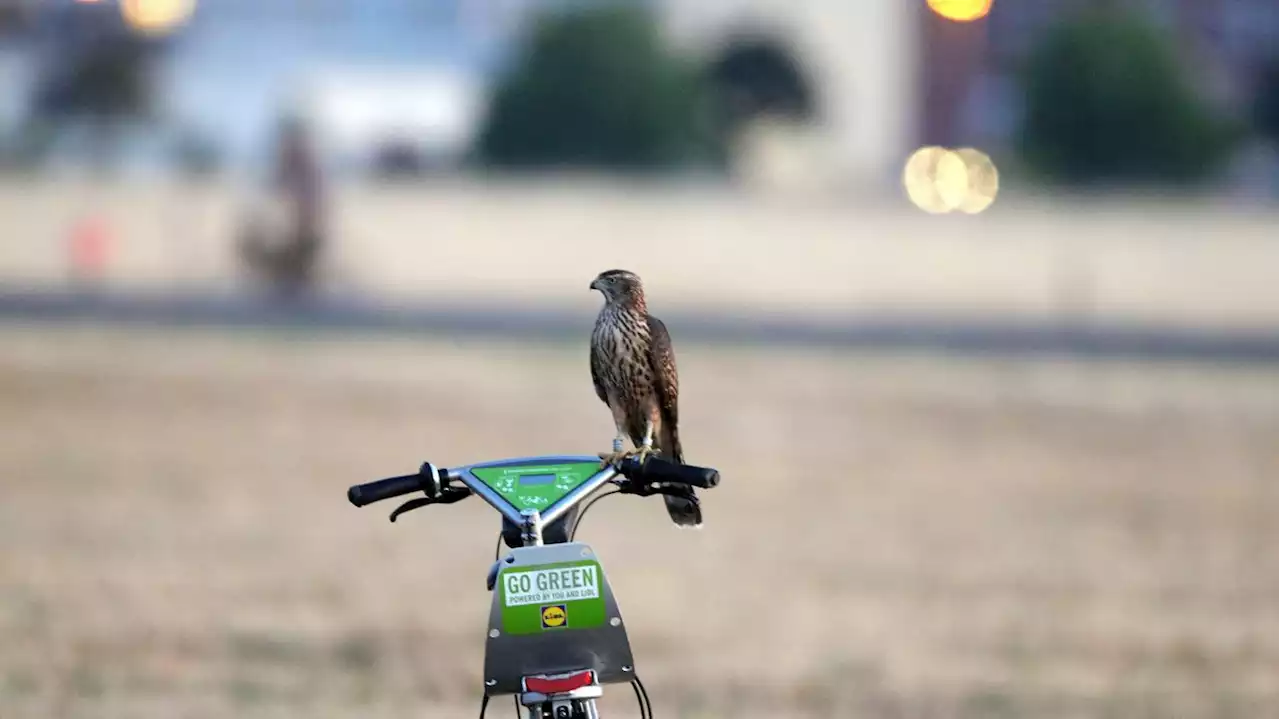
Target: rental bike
[{"x": 555, "y": 633}]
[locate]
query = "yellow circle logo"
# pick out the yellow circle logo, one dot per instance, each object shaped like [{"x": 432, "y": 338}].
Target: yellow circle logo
[{"x": 553, "y": 616}]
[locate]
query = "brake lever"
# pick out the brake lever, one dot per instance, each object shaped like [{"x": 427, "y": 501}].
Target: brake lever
[
  {"x": 411, "y": 505},
  {"x": 448, "y": 495},
  {"x": 646, "y": 489}
]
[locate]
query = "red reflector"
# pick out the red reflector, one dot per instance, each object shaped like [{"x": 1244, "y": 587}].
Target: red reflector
[{"x": 558, "y": 685}]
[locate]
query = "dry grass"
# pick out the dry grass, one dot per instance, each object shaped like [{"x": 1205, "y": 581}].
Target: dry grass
[{"x": 896, "y": 536}]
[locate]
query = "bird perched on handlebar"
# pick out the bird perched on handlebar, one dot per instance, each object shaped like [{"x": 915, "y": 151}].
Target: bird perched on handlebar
[{"x": 633, "y": 368}]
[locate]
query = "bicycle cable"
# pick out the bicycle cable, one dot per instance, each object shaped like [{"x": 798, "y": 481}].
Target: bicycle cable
[
  {"x": 642, "y": 698},
  {"x": 573, "y": 533},
  {"x": 515, "y": 699}
]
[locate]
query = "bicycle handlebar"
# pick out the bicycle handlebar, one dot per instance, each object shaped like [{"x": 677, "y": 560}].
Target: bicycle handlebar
[
  {"x": 655, "y": 469},
  {"x": 440, "y": 486},
  {"x": 362, "y": 494}
]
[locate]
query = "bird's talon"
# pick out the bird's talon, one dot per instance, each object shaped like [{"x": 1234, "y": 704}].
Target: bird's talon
[{"x": 615, "y": 458}]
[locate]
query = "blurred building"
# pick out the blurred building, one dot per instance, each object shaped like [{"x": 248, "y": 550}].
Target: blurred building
[
  {"x": 367, "y": 73},
  {"x": 849, "y": 67},
  {"x": 967, "y": 91},
  {"x": 377, "y": 77}
]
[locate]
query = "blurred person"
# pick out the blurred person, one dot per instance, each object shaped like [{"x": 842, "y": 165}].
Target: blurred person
[{"x": 286, "y": 252}]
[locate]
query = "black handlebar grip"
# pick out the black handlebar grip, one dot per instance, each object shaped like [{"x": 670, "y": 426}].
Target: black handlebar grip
[
  {"x": 655, "y": 469},
  {"x": 362, "y": 494}
]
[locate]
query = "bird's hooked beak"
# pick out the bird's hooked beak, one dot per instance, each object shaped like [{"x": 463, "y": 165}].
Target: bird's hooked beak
[{"x": 595, "y": 284}]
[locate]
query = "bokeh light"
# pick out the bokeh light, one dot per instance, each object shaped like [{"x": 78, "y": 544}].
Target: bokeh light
[
  {"x": 939, "y": 180},
  {"x": 982, "y": 179},
  {"x": 919, "y": 178},
  {"x": 156, "y": 17},
  {"x": 951, "y": 178},
  {"x": 961, "y": 10}
]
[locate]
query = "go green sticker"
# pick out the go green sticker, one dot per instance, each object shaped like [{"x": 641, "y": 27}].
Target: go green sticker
[
  {"x": 552, "y": 597},
  {"x": 536, "y": 486}
]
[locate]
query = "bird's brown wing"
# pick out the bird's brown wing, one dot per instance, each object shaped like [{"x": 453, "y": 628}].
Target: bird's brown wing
[
  {"x": 596, "y": 379},
  {"x": 662, "y": 359},
  {"x": 683, "y": 507}
]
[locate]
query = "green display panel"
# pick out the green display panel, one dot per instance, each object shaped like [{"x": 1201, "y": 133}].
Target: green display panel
[{"x": 535, "y": 486}]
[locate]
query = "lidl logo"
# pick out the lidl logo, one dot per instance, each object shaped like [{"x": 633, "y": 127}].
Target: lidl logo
[{"x": 554, "y": 616}]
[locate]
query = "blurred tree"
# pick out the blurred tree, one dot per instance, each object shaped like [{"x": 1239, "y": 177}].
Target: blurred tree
[
  {"x": 596, "y": 88},
  {"x": 103, "y": 79},
  {"x": 760, "y": 77},
  {"x": 1107, "y": 101},
  {"x": 15, "y": 18},
  {"x": 94, "y": 72},
  {"x": 754, "y": 78},
  {"x": 1265, "y": 100}
]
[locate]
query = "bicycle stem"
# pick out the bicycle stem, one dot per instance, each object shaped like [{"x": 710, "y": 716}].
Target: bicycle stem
[{"x": 531, "y": 528}]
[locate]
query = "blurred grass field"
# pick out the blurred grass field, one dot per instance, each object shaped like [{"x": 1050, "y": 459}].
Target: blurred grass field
[{"x": 896, "y": 535}]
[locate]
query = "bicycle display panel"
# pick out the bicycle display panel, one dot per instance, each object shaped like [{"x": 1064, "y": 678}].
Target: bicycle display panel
[{"x": 535, "y": 486}]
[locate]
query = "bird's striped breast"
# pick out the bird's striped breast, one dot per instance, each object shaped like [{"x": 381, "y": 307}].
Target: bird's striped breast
[{"x": 620, "y": 347}]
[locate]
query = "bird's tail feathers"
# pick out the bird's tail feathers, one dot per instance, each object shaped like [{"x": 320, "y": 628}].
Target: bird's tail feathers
[{"x": 685, "y": 509}]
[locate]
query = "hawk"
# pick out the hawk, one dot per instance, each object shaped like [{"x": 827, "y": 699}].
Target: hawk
[{"x": 633, "y": 368}]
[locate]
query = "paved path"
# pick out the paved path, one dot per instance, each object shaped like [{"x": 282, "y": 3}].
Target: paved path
[{"x": 1005, "y": 337}]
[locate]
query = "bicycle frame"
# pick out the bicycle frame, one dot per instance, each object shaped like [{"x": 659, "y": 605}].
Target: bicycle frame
[{"x": 555, "y": 633}]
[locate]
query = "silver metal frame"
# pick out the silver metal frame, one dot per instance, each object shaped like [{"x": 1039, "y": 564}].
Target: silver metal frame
[{"x": 531, "y": 521}]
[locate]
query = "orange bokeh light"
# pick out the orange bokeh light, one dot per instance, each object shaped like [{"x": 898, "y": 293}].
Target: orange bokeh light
[
  {"x": 961, "y": 10},
  {"x": 156, "y": 17}
]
